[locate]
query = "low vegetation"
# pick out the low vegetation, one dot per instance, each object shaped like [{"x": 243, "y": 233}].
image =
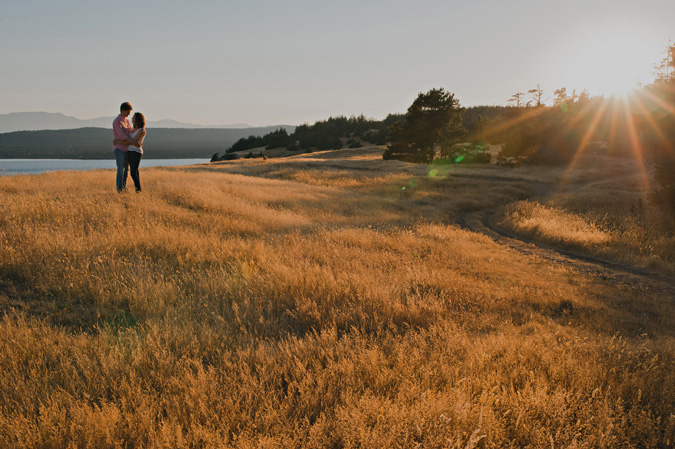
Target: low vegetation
[
  {"x": 610, "y": 217},
  {"x": 331, "y": 299},
  {"x": 333, "y": 133}
]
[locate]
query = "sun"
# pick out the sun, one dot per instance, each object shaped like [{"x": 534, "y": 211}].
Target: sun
[{"x": 613, "y": 62}]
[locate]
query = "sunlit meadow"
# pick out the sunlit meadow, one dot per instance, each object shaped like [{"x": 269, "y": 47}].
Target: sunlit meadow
[{"x": 329, "y": 300}]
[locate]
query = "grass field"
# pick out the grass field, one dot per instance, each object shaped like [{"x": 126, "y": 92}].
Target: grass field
[{"x": 333, "y": 300}]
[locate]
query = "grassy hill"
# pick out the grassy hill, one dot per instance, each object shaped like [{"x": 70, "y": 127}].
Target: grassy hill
[
  {"x": 335, "y": 299},
  {"x": 96, "y": 143}
]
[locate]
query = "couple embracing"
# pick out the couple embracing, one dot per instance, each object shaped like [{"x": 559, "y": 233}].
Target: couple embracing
[{"x": 128, "y": 146}]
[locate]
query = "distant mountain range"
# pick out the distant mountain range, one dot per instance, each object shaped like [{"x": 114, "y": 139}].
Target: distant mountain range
[{"x": 35, "y": 121}]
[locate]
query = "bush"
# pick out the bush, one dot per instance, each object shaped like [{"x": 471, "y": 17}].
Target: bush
[
  {"x": 468, "y": 154},
  {"x": 354, "y": 143},
  {"x": 408, "y": 153}
]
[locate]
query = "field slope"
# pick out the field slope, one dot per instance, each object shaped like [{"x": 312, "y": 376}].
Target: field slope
[{"x": 336, "y": 300}]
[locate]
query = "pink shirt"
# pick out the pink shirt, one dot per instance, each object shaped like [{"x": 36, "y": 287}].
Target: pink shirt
[{"x": 121, "y": 130}]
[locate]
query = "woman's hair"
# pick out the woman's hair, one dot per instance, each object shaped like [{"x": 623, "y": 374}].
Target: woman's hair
[{"x": 140, "y": 120}]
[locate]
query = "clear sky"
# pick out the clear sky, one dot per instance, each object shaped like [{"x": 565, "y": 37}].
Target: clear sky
[{"x": 266, "y": 62}]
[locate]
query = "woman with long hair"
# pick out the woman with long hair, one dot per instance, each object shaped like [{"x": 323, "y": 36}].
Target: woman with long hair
[{"x": 135, "y": 152}]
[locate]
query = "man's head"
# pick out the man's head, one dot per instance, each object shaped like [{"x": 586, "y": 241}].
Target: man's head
[{"x": 125, "y": 109}]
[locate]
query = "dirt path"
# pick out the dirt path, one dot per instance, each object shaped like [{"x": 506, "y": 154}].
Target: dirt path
[{"x": 651, "y": 283}]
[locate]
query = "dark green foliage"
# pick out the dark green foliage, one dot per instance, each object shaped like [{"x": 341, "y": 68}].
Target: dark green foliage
[
  {"x": 277, "y": 139},
  {"x": 246, "y": 143},
  {"x": 433, "y": 119},
  {"x": 545, "y": 136},
  {"x": 665, "y": 175},
  {"x": 660, "y": 138},
  {"x": 487, "y": 114},
  {"x": 467, "y": 154},
  {"x": 408, "y": 151},
  {"x": 378, "y": 137},
  {"x": 354, "y": 143},
  {"x": 327, "y": 134},
  {"x": 323, "y": 135}
]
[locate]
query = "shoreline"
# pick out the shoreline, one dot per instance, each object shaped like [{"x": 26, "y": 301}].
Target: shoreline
[{"x": 10, "y": 167}]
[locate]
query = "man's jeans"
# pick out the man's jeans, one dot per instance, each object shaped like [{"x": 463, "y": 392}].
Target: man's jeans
[{"x": 122, "y": 169}]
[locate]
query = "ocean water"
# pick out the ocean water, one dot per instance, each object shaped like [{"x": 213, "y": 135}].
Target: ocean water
[{"x": 10, "y": 167}]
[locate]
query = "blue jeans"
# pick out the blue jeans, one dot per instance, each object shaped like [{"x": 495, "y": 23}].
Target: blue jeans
[{"x": 122, "y": 169}]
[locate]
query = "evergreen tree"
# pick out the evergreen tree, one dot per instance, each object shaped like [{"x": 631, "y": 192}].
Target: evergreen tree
[
  {"x": 434, "y": 118},
  {"x": 560, "y": 96},
  {"x": 276, "y": 139}
]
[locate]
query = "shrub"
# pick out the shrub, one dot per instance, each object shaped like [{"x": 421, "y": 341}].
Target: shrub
[{"x": 468, "y": 154}]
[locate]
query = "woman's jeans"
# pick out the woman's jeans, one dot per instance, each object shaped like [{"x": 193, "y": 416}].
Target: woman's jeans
[
  {"x": 134, "y": 160},
  {"x": 122, "y": 169}
]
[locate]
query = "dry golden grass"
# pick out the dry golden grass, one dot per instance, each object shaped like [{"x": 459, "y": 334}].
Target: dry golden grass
[
  {"x": 314, "y": 302},
  {"x": 601, "y": 210}
]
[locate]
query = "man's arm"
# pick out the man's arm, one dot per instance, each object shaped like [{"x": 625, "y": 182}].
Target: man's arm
[
  {"x": 131, "y": 141},
  {"x": 124, "y": 142},
  {"x": 120, "y": 132}
]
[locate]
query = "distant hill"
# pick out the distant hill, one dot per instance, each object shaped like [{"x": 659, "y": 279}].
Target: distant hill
[
  {"x": 35, "y": 121},
  {"x": 96, "y": 143}
]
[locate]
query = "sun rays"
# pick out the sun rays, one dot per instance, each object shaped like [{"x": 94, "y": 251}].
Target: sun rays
[
  {"x": 585, "y": 140},
  {"x": 620, "y": 121}
]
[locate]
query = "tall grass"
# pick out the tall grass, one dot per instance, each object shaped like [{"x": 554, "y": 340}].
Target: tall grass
[
  {"x": 603, "y": 211},
  {"x": 304, "y": 306}
]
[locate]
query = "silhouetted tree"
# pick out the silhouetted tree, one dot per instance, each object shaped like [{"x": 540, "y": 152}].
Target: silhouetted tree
[
  {"x": 584, "y": 96},
  {"x": 560, "y": 96},
  {"x": 246, "y": 143},
  {"x": 536, "y": 96},
  {"x": 660, "y": 139},
  {"x": 276, "y": 139},
  {"x": 516, "y": 98},
  {"x": 664, "y": 71},
  {"x": 434, "y": 118}
]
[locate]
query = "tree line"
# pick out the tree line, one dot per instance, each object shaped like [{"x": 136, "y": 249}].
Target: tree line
[
  {"x": 333, "y": 133},
  {"x": 437, "y": 129}
]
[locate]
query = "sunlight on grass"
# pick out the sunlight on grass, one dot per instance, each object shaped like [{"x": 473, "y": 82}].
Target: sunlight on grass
[
  {"x": 548, "y": 223},
  {"x": 281, "y": 305}
]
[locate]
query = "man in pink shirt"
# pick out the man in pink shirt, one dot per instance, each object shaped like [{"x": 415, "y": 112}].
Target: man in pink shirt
[{"x": 121, "y": 132}]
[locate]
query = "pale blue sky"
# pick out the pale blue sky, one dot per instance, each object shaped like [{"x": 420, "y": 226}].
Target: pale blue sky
[{"x": 264, "y": 62}]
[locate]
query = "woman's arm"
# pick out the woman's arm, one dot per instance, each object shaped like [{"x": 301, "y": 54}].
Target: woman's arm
[
  {"x": 131, "y": 141},
  {"x": 124, "y": 142},
  {"x": 139, "y": 138}
]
